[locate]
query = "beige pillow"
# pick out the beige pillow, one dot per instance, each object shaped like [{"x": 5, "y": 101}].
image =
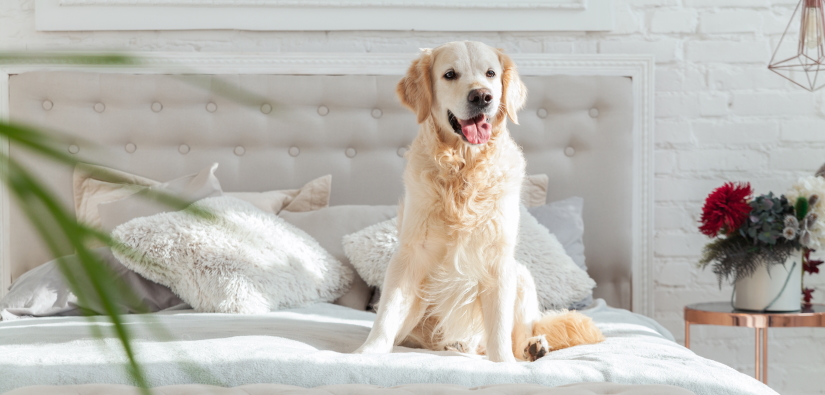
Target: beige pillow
[
  {"x": 94, "y": 185},
  {"x": 310, "y": 197},
  {"x": 189, "y": 188},
  {"x": 534, "y": 190}
]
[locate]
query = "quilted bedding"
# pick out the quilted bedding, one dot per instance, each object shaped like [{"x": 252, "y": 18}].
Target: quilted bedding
[{"x": 309, "y": 347}]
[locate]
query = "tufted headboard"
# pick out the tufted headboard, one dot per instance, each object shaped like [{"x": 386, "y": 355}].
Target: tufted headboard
[{"x": 587, "y": 124}]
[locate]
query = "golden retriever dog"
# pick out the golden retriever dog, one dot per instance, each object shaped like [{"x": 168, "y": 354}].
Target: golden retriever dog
[{"x": 454, "y": 283}]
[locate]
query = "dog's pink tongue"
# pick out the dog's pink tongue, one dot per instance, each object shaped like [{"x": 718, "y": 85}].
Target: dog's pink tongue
[{"x": 476, "y": 130}]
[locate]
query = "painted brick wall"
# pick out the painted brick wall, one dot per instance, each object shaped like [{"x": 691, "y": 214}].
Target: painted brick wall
[{"x": 721, "y": 115}]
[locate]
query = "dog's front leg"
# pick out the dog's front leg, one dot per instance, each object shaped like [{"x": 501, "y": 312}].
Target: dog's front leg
[
  {"x": 397, "y": 308},
  {"x": 497, "y": 301}
]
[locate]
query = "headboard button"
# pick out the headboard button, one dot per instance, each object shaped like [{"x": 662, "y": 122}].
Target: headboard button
[
  {"x": 401, "y": 151},
  {"x": 294, "y": 151},
  {"x": 211, "y": 107},
  {"x": 183, "y": 149},
  {"x": 542, "y": 113},
  {"x": 73, "y": 149},
  {"x": 594, "y": 112},
  {"x": 47, "y": 105},
  {"x": 570, "y": 151},
  {"x": 99, "y": 107},
  {"x": 156, "y": 106},
  {"x": 377, "y": 113},
  {"x": 350, "y": 152},
  {"x": 240, "y": 150},
  {"x": 323, "y": 110},
  {"x": 266, "y": 108},
  {"x": 130, "y": 148}
]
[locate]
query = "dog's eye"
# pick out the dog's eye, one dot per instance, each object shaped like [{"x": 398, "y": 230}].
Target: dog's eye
[
  {"x": 450, "y": 75},
  {"x": 491, "y": 73}
]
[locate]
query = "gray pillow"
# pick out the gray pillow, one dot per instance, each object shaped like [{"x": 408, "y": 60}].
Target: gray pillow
[
  {"x": 564, "y": 219},
  {"x": 329, "y": 225},
  {"x": 42, "y": 292}
]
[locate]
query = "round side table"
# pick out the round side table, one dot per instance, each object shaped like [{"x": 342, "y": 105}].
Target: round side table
[{"x": 721, "y": 313}]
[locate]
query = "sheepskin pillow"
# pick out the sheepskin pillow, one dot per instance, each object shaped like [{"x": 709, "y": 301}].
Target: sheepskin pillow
[
  {"x": 559, "y": 281},
  {"x": 241, "y": 261}
]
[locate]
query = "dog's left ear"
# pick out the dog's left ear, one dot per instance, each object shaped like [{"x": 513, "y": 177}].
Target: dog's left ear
[{"x": 513, "y": 91}]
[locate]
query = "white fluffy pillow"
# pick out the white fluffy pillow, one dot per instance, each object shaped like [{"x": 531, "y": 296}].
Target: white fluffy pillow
[
  {"x": 242, "y": 261},
  {"x": 559, "y": 282}
]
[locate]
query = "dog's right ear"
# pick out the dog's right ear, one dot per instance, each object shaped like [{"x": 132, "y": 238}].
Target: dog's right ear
[{"x": 416, "y": 88}]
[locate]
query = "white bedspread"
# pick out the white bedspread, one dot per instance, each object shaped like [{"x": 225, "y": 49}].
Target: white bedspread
[{"x": 309, "y": 347}]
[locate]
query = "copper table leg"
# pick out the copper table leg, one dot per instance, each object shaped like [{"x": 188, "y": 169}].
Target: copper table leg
[
  {"x": 765, "y": 355},
  {"x": 757, "y": 349},
  {"x": 687, "y": 334}
]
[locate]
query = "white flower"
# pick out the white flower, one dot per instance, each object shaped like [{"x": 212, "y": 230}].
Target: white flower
[
  {"x": 791, "y": 222},
  {"x": 807, "y": 187}
]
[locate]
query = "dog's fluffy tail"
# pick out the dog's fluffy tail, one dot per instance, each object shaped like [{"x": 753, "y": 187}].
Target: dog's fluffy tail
[{"x": 564, "y": 329}]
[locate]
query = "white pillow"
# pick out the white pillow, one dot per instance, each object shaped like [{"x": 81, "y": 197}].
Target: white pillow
[
  {"x": 242, "y": 261},
  {"x": 559, "y": 282}
]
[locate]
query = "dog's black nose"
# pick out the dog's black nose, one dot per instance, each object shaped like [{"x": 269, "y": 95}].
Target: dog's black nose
[{"x": 480, "y": 97}]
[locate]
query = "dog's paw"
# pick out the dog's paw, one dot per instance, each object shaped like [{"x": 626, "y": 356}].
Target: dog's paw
[
  {"x": 461, "y": 347},
  {"x": 536, "y": 348}
]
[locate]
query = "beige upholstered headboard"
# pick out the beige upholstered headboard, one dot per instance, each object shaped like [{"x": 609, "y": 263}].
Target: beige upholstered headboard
[{"x": 586, "y": 124}]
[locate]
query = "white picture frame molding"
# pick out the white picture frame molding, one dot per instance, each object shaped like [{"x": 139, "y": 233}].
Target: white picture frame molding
[
  {"x": 325, "y": 15},
  {"x": 638, "y": 67}
]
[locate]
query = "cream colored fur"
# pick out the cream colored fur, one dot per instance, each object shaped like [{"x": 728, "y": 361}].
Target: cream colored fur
[{"x": 454, "y": 282}]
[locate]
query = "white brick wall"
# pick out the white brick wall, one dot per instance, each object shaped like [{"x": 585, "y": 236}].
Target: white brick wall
[{"x": 721, "y": 115}]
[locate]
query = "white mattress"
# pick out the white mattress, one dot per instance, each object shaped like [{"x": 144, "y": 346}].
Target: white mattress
[
  {"x": 310, "y": 347},
  {"x": 359, "y": 389}
]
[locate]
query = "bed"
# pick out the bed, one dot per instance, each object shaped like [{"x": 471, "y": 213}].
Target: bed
[{"x": 587, "y": 124}]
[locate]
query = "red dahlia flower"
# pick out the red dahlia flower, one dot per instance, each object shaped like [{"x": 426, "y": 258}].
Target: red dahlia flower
[
  {"x": 807, "y": 296},
  {"x": 726, "y": 209},
  {"x": 808, "y": 265}
]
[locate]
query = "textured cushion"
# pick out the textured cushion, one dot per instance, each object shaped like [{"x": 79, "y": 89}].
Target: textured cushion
[
  {"x": 559, "y": 282},
  {"x": 329, "y": 225},
  {"x": 242, "y": 260},
  {"x": 190, "y": 188},
  {"x": 43, "y": 292},
  {"x": 534, "y": 190}
]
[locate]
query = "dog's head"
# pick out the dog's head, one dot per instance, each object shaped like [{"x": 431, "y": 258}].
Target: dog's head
[{"x": 468, "y": 88}]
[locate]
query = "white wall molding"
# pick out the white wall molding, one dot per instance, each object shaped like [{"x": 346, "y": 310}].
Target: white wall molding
[
  {"x": 637, "y": 67},
  {"x": 285, "y": 15}
]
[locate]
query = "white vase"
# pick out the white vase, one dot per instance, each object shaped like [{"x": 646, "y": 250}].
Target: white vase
[{"x": 759, "y": 290}]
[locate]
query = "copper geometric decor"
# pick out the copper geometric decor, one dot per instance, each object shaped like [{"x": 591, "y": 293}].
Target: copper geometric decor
[{"x": 801, "y": 60}]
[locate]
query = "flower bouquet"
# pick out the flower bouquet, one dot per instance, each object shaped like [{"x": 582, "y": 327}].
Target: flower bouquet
[{"x": 756, "y": 236}]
